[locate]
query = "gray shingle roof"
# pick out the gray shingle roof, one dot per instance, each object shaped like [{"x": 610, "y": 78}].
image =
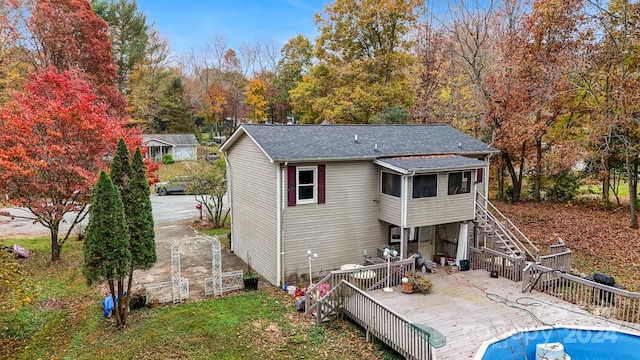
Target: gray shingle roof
[
  {"x": 326, "y": 142},
  {"x": 429, "y": 163},
  {"x": 173, "y": 139}
]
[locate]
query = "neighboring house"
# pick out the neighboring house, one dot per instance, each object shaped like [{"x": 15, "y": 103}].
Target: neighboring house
[
  {"x": 344, "y": 191},
  {"x": 181, "y": 146}
]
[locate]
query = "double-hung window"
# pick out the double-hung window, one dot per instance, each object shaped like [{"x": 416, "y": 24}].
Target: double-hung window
[
  {"x": 425, "y": 186},
  {"x": 307, "y": 180},
  {"x": 459, "y": 183},
  {"x": 305, "y": 184}
]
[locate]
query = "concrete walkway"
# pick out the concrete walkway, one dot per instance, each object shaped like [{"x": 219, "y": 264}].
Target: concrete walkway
[{"x": 471, "y": 307}]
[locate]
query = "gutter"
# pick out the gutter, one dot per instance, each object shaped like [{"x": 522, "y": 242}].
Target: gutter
[
  {"x": 403, "y": 213},
  {"x": 229, "y": 192},
  {"x": 279, "y": 209}
]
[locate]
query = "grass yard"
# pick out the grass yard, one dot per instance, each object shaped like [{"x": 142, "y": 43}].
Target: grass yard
[
  {"x": 623, "y": 191},
  {"x": 169, "y": 171},
  {"x": 63, "y": 320}
]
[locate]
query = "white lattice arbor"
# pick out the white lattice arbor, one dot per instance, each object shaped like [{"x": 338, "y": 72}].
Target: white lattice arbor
[{"x": 217, "y": 284}]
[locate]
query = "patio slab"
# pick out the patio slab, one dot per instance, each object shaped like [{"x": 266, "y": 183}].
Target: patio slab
[{"x": 471, "y": 307}]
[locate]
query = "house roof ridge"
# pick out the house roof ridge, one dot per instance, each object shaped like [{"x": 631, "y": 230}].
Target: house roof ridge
[{"x": 342, "y": 142}]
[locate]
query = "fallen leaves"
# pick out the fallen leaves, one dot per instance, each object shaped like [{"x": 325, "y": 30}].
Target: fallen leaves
[{"x": 600, "y": 239}]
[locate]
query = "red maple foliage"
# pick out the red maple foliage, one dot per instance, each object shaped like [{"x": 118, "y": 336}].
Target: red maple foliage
[
  {"x": 55, "y": 138},
  {"x": 68, "y": 34}
]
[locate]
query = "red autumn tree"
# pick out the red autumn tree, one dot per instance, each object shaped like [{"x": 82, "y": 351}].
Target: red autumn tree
[
  {"x": 56, "y": 137},
  {"x": 68, "y": 34}
]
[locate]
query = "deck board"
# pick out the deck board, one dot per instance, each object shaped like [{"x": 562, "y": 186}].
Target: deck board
[{"x": 471, "y": 307}]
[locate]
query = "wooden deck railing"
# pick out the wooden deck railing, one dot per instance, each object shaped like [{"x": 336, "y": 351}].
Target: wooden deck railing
[
  {"x": 379, "y": 321},
  {"x": 488, "y": 259},
  {"x": 371, "y": 277},
  {"x": 560, "y": 247},
  {"x": 558, "y": 261},
  {"x": 612, "y": 302}
]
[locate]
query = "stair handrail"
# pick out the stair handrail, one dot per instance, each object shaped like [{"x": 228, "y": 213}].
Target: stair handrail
[
  {"x": 313, "y": 289},
  {"x": 508, "y": 231},
  {"x": 499, "y": 226},
  {"x": 512, "y": 237}
]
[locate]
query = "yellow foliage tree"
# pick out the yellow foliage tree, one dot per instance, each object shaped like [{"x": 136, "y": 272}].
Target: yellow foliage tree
[{"x": 257, "y": 100}]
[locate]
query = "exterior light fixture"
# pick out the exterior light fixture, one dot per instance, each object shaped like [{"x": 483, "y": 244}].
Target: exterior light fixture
[{"x": 388, "y": 254}]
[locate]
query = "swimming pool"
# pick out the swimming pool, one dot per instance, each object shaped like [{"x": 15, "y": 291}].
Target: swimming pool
[{"x": 579, "y": 343}]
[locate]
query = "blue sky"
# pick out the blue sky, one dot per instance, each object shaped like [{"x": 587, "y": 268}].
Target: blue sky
[{"x": 189, "y": 24}]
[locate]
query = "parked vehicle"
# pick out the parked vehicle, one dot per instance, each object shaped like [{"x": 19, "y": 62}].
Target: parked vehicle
[
  {"x": 212, "y": 157},
  {"x": 178, "y": 185}
]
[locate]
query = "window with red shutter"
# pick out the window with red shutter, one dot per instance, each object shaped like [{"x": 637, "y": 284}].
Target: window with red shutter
[{"x": 306, "y": 185}]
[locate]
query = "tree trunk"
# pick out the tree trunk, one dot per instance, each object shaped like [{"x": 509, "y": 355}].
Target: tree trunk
[
  {"x": 520, "y": 172},
  {"x": 501, "y": 180},
  {"x": 538, "y": 176},
  {"x": 606, "y": 185},
  {"x": 632, "y": 175},
  {"x": 127, "y": 297},
  {"x": 115, "y": 312},
  {"x": 516, "y": 178},
  {"x": 606, "y": 181},
  {"x": 122, "y": 299},
  {"x": 56, "y": 248}
]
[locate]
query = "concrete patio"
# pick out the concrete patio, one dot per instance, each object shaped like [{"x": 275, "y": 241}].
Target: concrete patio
[{"x": 470, "y": 307}]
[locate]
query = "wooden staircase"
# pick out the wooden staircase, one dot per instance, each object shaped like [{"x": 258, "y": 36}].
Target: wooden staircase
[{"x": 501, "y": 233}]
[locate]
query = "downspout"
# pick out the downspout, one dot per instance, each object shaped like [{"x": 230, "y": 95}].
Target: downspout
[
  {"x": 403, "y": 212},
  {"x": 486, "y": 181},
  {"x": 280, "y": 193},
  {"x": 229, "y": 185},
  {"x": 278, "y": 224}
]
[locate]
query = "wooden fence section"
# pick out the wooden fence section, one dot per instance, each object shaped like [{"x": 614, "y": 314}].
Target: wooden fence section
[
  {"x": 380, "y": 322},
  {"x": 488, "y": 259},
  {"x": 371, "y": 277},
  {"x": 608, "y": 301}
]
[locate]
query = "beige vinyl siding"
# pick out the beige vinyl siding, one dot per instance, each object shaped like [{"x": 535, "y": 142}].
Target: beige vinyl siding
[
  {"x": 440, "y": 209},
  {"x": 338, "y": 230},
  {"x": 253, "y": 196},
  {"x": 389, "y": 207}
]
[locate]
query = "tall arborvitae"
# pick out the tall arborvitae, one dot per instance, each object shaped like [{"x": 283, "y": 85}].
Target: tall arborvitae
[
  {"x": 140, "y": 219},
  {"x": 106, "y": 246},
  {"x": 121, "y": 172}
]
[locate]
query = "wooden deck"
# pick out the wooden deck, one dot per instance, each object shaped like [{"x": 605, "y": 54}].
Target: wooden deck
[{"x": 471, "y": 307}]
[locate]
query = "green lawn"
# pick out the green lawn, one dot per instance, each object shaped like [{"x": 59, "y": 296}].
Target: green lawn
[
  {"x": 623, "y": 191},
  {"x": 169, "y": 171},
  {"x": 64, "y": 321}
]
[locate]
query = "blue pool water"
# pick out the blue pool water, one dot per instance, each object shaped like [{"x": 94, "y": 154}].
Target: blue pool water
[{"x": 580, "y": 344}]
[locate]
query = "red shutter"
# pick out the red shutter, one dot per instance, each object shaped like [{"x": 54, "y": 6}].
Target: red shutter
[
  {"x": 321, "y": 184},
  {"x": 291, "y": 185},
  {"x": 479, "y": 175}
]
